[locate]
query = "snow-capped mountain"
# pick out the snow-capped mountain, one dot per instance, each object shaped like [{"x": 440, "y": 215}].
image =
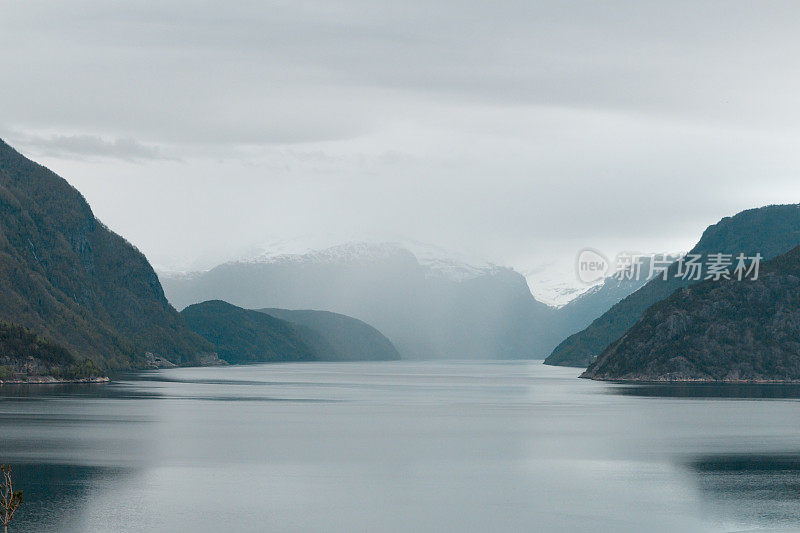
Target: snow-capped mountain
[
  {"x": 558, "y": 285},
  {"x": 435, "y": 260},
  {"x": 557, "y": 292},
  {"x": 430, "y": 305},
  {"x": 430, "y": 302}
]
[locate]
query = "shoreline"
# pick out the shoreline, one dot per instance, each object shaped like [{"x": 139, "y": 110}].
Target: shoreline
[
  {"x": 50, "y": 380},
  {"x": 624, "y": 381}
]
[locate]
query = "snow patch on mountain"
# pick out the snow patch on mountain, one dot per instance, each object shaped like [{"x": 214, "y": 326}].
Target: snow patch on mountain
[
  {"x": 558, "y": 292},
  {"x": 350, "y": 252},
  {"x": 435, "y": 260},
  {"x": 553, "y": 281}
]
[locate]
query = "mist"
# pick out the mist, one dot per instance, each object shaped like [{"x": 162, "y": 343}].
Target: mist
[{"x": 517, "y": 133}]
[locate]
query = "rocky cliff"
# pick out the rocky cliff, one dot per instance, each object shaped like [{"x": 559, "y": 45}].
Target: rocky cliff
[{"x": 727, "y": 330}]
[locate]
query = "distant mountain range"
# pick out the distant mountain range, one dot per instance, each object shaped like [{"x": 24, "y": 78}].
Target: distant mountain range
[
  {"x": 277, "y": 335},
  {"x": 434, "y": 310},
  {"x": 770, "y": 230},
  {"x": 71, "y": 286},
  {"x": 68, "y": 279},
  {"x": 430, "y": 306},
  {"x": 727, "y": 330},
  {"x": 76, "y": 300}
]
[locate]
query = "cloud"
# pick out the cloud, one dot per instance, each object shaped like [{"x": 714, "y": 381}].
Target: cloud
[
  {"x": 88, "y": 146},
  {"x": 292, "y": 72},
  {"x": 521, "y": 129}
]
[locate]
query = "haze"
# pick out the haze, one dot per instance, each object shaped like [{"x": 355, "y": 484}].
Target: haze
[{"x": 519, "y": 132}]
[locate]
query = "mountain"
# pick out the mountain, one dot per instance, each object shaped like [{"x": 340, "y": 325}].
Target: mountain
[
  {"x": 26, "y": 356},
  {"x": 70, "y": 280},
  {"x": 429, "y": 309},
  {"x": 728, "y": 330},
  {"x": 241, "y": 335},
  {"x": 346, "y": 338},
  {"x": 582, "y": 310},
  {"x": 555, "y": 292},
  {"x": 272, "y": 335},
  {"x": 770, "y": 230}
]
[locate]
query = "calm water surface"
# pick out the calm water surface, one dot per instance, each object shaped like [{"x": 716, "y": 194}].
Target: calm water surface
[{"x": 400, "y": 446}]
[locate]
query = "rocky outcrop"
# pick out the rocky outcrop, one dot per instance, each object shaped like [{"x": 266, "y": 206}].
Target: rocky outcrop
[
  {"x": 726, "y": 331},
  {"x": 770, "y": 231}
]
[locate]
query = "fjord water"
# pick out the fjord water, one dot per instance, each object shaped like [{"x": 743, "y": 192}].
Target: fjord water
[{"x": 400, "y": 446}]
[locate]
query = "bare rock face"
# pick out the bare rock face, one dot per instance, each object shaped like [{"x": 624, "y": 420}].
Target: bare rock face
[
  {"x": 727, "y": 330},
  {"x": 155, "y": 361}
]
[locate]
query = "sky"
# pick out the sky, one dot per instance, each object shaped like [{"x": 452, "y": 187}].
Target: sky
[{"x": 519, "y": 132}]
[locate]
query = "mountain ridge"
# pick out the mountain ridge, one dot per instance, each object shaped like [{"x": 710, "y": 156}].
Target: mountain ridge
[
  {"x": 347, "y": 338},
  {"x": 242, "y": 335},
  {"x": 726, "y": 330},
  {"x": 66, "y": 277},
  {"x": 769, "y": 230},
  {"x": 489, "y": 313},
  {"x": 280, "y": 335}
]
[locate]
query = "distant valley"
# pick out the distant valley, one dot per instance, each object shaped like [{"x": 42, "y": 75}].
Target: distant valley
[
  {"x": 430, "y": 308},
  {"x": 78, "y": 300}
]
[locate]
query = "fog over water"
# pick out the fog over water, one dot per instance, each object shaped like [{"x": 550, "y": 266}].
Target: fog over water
[{"x": 400, "y": 446}]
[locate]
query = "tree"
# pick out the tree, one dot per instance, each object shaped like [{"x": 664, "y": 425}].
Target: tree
[{"x": 10, "y": 500}]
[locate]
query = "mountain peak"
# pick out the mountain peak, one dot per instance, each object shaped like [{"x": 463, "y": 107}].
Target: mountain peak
[{"x": 434, "y": 260}]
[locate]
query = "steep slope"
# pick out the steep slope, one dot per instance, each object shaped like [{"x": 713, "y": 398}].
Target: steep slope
[
  {"x": 349, "y": 339},
  {"x": 427, "y": 310},
  {"x": 770, "y": 230},
  {"x": 69, "y": 279},
  {"x": 26, "y": 356},
  {"x": 727, "y": 330},
  {"x": 241, "y": 335},
  {"x": 581, "y": 311}
]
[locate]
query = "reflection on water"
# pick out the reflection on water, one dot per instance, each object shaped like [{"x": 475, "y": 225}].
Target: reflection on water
[
  {"x": 55, "y": 494},
  {"x": 712, "y": 390},
  {"x": 400, "y": 446},
  {"x": 753, "y": 488}
]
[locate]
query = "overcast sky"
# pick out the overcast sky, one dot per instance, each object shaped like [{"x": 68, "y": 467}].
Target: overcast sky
[{"x": 520, "y": 131}]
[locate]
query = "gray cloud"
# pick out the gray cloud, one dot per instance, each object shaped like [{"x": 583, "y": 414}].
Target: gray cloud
[
  {"x": 255, "y": 72},
  {"x": 519, "y": 129},
  {"x": 81, "y": 146}
]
